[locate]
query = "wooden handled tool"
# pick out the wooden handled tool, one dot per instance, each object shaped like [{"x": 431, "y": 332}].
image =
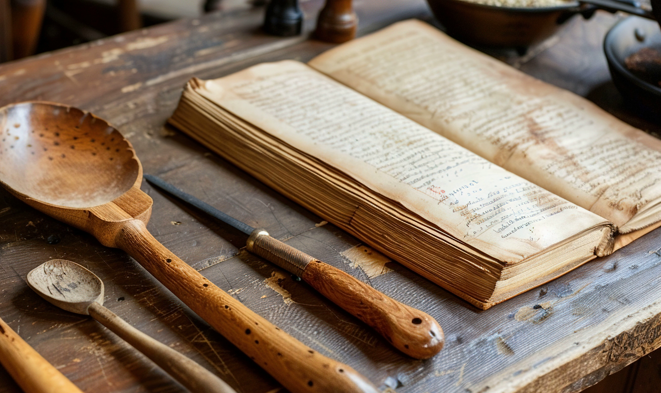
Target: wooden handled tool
[
  {"x": 78, "y": 169},
  {"x": 411, "y": 331},
  {"x": 73, "y": 288},
  {"x": 31, "y": 372}
]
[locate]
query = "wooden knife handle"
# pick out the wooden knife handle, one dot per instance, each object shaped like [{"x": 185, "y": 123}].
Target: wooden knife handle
[
  {"x": 190, "y": 374},
  {"x": 295, "y": 365},
  {"x": 411, "y": 331},
  {"x": 30, "y": 370}
]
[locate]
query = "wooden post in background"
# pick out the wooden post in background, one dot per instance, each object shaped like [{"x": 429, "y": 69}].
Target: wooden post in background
[
  {"x": 6, "y": 45},
  {"x": 26, "y": 18},
  {"x": 129, "y": 15}
]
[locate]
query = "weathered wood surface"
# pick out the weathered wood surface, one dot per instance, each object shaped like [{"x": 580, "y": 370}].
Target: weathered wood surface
[{"x": 564, "y": 336}]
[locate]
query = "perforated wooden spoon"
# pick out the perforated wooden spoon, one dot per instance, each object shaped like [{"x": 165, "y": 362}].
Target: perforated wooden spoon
[
  {"x": 80, "y": 170},
  {"x": 73, "y": 288}
]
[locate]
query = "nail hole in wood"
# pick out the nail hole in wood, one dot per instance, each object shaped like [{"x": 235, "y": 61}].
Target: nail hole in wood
[{"x": 416, "y": 321}]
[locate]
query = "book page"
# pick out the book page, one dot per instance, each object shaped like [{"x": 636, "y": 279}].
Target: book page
[
  {"x": 472, "y": 200},
  {"x": 549, "y": 136}
]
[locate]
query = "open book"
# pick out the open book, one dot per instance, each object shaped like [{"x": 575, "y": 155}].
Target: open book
[{"x": 480, "y": 178}]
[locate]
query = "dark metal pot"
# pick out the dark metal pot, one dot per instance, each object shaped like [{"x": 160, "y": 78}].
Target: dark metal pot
[{"x": 624, "y": 39}]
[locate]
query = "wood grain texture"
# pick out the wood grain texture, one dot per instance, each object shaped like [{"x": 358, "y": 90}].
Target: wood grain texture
[
  {"x": 134, "y": 81},
  {"x": 411, "y": 331},
  {"x": 31, "y": 371},
  {"x": 94, "y": 187},
  {"x": 73, "y": 288},
  {"x": 190, "y": 374},
  {"x": 298, "y": 367}
]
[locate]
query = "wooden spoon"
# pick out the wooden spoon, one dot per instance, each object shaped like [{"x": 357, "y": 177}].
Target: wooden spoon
[
  {"x": 73, "y": 288},
  {"x": 80, "y": 170},
  {"x": 30, "y": 370}
]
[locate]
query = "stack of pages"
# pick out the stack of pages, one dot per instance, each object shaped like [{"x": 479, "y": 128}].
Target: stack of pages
[{"x": 482, "y": 179}]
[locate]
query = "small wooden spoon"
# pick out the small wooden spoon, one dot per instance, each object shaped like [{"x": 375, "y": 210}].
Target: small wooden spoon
[
  {"x": 73, "y": 288},
  {"x": 80, "y": 170}
]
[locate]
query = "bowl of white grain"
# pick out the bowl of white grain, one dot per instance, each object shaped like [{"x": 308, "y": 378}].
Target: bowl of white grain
[{"x": 504, "y": 23}]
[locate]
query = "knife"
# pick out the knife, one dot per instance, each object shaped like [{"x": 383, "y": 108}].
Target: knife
[{"x": 412, "y": 331}]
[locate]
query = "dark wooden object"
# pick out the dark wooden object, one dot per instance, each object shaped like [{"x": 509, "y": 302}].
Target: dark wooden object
[
  {"x": 283, "y": 18},
  {"x": 6, "y": 44},
  {"x": 564, "y": 336},
  {"x": 26, "y": 17},
  {"x": 336, "y": 22},
  {"x": 129, "y": 15}
]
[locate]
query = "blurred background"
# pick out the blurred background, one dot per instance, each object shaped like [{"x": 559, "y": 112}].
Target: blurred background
[{"x": 29, "y": 27}]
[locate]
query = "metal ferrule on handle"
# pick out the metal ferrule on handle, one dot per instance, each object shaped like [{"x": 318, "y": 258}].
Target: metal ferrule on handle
[{"x": 286, "y": 257}]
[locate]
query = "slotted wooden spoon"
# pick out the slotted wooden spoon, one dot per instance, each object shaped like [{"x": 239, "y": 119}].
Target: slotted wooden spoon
[{"x": 80, "y": 170}]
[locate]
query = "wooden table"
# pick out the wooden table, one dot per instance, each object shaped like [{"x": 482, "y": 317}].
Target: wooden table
[{"x": 564, "y": 336}]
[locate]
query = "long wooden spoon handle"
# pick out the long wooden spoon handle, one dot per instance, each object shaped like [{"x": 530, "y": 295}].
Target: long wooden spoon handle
[
  {"x": 295, "y": 365},
  {"x": 411, "y": 331},
  {"x": 190, "y": 374},
  {"x": 30, "y": 370}
]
